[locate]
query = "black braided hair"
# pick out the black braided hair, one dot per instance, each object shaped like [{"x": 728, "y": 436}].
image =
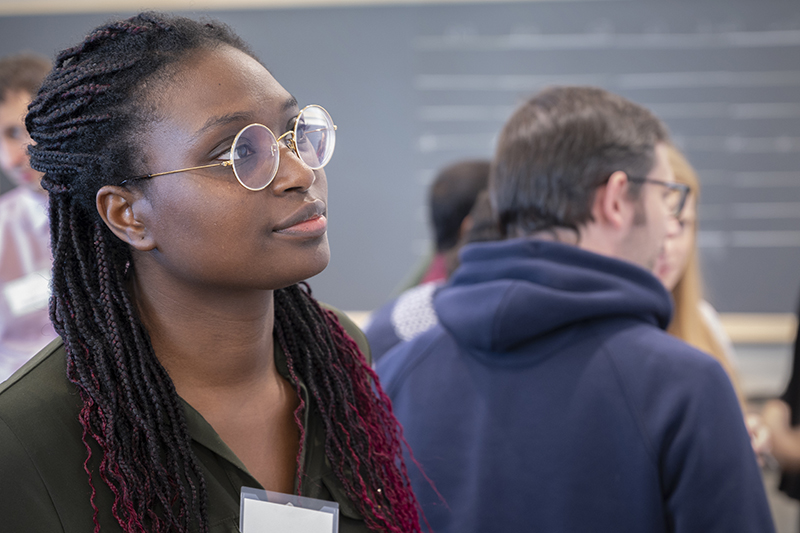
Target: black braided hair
[{"x": 84, "y": 123}]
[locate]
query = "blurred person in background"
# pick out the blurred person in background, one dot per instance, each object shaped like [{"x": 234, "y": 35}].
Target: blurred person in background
[
  {"x": 694, "y": 320},
  {"x": 25, "y": 258},
  {"x": 782, "y": 418},
  {"x": 451, "y": 198}
]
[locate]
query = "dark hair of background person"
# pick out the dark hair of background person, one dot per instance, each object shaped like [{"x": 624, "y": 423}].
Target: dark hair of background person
[
  {"x": 483, "y": 224},
  {"x": 559, "y": 147},
  {"x": 85, "y": 122},
  {"x": 22, "y": 72},
  {"x": 451, "y": 198}
]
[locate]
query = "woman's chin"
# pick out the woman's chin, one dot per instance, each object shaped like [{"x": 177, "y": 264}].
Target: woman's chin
[{"x": 313, "y": 264}]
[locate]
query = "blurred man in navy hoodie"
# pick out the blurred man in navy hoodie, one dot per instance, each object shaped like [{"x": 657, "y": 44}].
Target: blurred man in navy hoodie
[{"x": 549, "y": 398}]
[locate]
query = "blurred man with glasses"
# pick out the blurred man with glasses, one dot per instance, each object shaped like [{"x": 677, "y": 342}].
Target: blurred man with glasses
[
  {"x": 25, "y": 258},
  {"x": 549, "y": 397}
]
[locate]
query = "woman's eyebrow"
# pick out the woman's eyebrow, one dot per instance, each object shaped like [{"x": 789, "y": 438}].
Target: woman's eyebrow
[
  {"x": 215, "y": 122},
  {"x": 290, "y": 103}
]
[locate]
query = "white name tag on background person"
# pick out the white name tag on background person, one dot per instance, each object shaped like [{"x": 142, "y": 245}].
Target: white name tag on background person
[
  {"x": 263, "y": 511},
  {"x": 28, "y": 293}
]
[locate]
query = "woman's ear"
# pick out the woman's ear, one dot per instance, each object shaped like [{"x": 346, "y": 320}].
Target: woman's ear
[{"x": 125, "y": 213}]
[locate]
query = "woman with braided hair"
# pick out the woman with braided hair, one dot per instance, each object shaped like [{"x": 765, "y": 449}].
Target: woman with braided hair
[{"x": 190, "y": 362}]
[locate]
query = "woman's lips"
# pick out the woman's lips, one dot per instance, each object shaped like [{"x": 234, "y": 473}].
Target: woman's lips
[
  {"x": 312, "y": 227},
  {"x": 309, "y": 221}
]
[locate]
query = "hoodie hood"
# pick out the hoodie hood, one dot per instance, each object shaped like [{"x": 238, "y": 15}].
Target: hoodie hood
[{"x": 508, "y": 293}]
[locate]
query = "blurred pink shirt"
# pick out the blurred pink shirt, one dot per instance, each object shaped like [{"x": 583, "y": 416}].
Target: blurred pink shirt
[
  {"x": 437, "y": 271},
  {"x": 25, "y": 262}
]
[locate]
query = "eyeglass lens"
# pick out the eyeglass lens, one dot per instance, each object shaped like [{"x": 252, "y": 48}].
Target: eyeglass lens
[
  {"x": 675, "y": 201},
  {"x": 256, "y": 155},
  {"x": 314, "y": 137}
]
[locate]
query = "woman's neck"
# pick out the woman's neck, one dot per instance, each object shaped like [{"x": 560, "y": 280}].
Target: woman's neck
[{"x": 209, "y": 339}]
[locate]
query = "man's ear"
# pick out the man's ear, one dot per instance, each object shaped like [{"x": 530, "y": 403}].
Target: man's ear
[
  {"x": 124, "y": 212},
  {"x": 466, "y": 226},
  {"x": 612, "y": 205}
]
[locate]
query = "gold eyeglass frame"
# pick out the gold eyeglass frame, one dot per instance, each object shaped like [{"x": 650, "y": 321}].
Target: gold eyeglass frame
[{"x": 290, "y": 143}]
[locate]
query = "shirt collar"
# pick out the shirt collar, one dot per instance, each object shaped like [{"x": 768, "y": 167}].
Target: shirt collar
[{"x": 204, "y": 434}]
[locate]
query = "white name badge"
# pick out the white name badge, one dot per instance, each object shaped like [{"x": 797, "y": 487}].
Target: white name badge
[
  {"x": 28, "y": 293},
  {"x": 263, "y": 511}
]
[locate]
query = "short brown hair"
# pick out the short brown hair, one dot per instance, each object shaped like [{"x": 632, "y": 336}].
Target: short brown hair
[
  {"x": 558, "y": 147},
  {"x": 22, "y": 72}
]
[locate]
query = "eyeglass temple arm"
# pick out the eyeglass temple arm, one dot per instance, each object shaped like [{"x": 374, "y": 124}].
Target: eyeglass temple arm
[
  {"x": 148, "y": 176},
  {"x": 223, "y": 164}
]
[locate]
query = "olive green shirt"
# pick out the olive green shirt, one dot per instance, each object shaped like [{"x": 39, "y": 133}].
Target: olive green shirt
[{"x": 43, "y": 485}]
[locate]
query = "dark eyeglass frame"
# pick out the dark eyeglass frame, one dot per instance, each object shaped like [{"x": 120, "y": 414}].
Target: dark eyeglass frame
[
  {"x": 290, "y": 142},
  {"x": 680, "y": 188}
]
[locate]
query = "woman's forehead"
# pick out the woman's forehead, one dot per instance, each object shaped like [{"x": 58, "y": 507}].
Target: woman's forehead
[
  {"x": 213, "y": 95},
  {"x": 222, "y": 82}
]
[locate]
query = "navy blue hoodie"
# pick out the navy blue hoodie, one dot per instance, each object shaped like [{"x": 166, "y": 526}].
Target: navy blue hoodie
[{"x": 550, "y": 399}]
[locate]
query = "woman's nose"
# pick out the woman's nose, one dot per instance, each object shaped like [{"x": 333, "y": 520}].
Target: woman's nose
[{"x": 293, "y": 173}]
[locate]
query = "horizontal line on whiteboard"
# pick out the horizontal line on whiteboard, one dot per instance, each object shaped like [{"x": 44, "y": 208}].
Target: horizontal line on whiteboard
[
  {"x": 748, "y": 239},
  {"x": 706, "y": 212},
  {"x": 464, "y": 113},
  {"x": 478, "y": 142},
  {"x": 766, "y": 179},
  {"x": 607, "y": 40},
  {"x": 750, "y": 111},
  {"x": 640, "y": 81},
  {"x": 720, "y": 110},
  {"x": 750, "y": 179},
  {"x": 737, "y": 144},
  {"x": 765, "y": 210}
]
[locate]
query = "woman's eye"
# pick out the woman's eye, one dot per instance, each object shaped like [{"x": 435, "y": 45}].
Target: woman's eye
[
  {"x": 222, "y": 153},
  {"x": 242, "y": 150}
]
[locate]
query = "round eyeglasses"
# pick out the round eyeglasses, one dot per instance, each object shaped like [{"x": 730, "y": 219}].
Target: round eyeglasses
[{"x": 255, "y": 153}]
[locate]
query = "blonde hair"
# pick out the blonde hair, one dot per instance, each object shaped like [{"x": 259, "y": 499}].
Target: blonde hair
[{"x": 688, "y": 323}]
